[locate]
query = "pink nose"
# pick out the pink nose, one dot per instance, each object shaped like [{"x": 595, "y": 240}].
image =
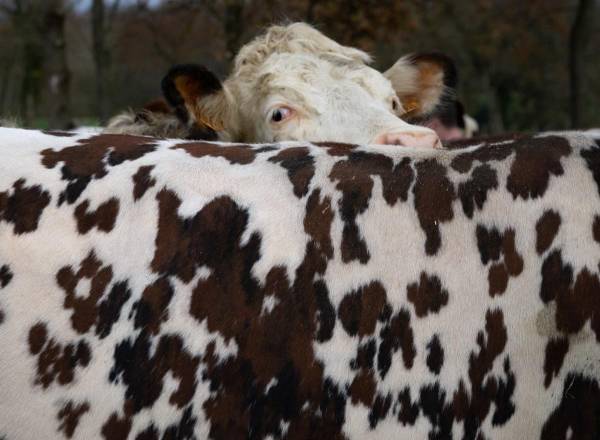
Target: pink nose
[{"x": 419, "y": 139}]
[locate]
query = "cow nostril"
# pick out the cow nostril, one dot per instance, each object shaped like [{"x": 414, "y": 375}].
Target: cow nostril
[{"x": 416, "y": 139}]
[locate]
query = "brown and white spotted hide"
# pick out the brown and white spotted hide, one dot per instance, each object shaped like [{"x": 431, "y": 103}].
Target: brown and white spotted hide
[{"x": 156, "y": 289}]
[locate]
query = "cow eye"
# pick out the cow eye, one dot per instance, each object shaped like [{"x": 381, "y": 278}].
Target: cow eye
[
  {"x": 395, "y": 104},
  {"x": 281, "y": 114}
]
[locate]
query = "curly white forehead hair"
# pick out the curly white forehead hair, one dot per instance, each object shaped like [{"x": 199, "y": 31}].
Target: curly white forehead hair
[{"x": 293, "y": 38}]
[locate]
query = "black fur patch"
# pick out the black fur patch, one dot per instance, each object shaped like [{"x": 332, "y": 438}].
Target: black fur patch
[{"x": 203, "y": 81}]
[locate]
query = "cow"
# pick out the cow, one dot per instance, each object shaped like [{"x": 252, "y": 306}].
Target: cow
[
  {"x": 171, "y": 289},
  {"x": 451, "y": 123},
  {"x": 294, "y": 83}
]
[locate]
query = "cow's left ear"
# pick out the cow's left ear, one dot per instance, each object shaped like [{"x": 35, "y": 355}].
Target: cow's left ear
[
  {"x": 422, "y": 81},
  {"x": 187, "y": 87}
]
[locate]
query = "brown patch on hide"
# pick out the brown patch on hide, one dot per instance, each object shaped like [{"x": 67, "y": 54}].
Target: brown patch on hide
[
  {"x": 103, "y": 217},
  {"x": 592, "y": 159},
  {"x": 492, "y": 246},
  {"x": 397, "y": 334},
  {"x": 97, "y": 307},
  {"x": 116, "y": 428},
  {"x": 434, "y": 194},
  {"x": 473, "y": 192},
  {"x": 274, "y": 348},
  {"x": 56, "y": 361},
  {"x": 337, "y": 148},
  {"x": 556, "y": 350},
  {"x": 546, "y": 229},
  {"x": 359, "y": 310},
  {"x": 142, "y": 181},
  {"x": 475, "y": 406},
  {"x": 363, "y": 388},
  {"x": 576, "y": 417},
  {"x": 492, "y": 149},
  {"x": 69, "y": 416},
  {"x": 152, "y": 309},
  {"x": 427, "y": 295},
  {"x": 576, "y": 298},
  {"x": 407, "y": 411},
  {"x": 300, "y": 166},
  {"x": 141, "y": 364},
  {"x": 596, "y": 228},
  {"x": 317, "y": 222},
  {"x": 92, "y": 158},
  {"x": 6, "y": 276},
  {"x": 435, "y": 355},
  {"x": 536, "y": 160},
  {"x": 23, "y": 206},
  {"x": 234, "y": 154},
  {"x": 354, "y": 177}
]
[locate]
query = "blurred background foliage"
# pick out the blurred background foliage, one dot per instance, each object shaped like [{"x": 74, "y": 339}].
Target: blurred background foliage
[{"x": 523, "y": 65}]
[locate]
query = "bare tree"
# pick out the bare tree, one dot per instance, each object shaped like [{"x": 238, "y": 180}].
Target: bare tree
[
  {"x": 577, "y": 40},
  {"x": 101, "y": 21},
  {"x": 58, "y": 75}
]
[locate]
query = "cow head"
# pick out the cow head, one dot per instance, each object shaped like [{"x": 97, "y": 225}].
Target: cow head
[{"x": 294, "y": 83}]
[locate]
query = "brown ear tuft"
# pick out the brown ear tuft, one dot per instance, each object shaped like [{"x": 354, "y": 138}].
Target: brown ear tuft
[{"x": 185, "y": 84}]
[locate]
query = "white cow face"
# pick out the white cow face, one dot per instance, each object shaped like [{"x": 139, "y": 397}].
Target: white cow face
[{"x": 290, "y": 89}]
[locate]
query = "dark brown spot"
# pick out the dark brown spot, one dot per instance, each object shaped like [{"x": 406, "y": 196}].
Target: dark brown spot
[
  {"x": 360, "y": 309},
  {"x": 397, "y": 334},
  {"x": 5, "y": 276},
  {"x": 300, "y": 166},
  {"x": 234, "y": 154},
  {"x": 536, "y": 160},
  {"x": 473, "y": 192},
  {"x": 85, "y": 308},
  {"x": 546, "y": 229},
  {"x": 408, "y": 411},
  {"x": 434, "y": 194},
  {"x": 24, "y": 206},
  {"x": 497, "y": 279},
  {"x": 556, "y": 277},
  {"x": 556, "y": 350},
  {"x": 55, "y": 360},
  {"x": 489, "y": 244},
  {"x": 577, "y": 415},
  {"x": 487, "y": 152},
  {"x": 116, "y": 428},
  {"x": 336, "y": 148},
  {"x": 91, "y": 159},
  {"x": 142, "y": 181},
  {"x": 354, "y": 177},
  {"x": 579, "y": 304},
  {"x": 152, "y": 309},
  {"x": 596, "y": 228},
  {"x": 486, "y": 389},
  {"x": 435, "y": 355},
  {"x": 427, "y": 295},
  {"x": 274, "y": 348},
  {"x": 103, "y": 217},
  {"x": 592, "y": 159},
  {"x": 363, "y": 388},
  {"x": 69, "y": 416},
  {"x": 143, "y": 370}
]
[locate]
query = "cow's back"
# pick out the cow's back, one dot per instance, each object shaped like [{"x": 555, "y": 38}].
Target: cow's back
[{"x": 161, "y": 289}]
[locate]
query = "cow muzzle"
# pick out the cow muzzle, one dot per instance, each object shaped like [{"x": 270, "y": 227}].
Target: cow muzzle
[{"x": 417, "y": 139}]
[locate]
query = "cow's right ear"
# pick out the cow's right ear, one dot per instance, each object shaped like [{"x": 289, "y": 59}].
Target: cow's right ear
[{"x": 193, "y": 90}]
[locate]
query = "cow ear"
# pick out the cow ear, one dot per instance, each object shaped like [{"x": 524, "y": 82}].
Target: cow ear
[
  {"x": 422, "y": 82},
  {"x": 190, "y": 89}
]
